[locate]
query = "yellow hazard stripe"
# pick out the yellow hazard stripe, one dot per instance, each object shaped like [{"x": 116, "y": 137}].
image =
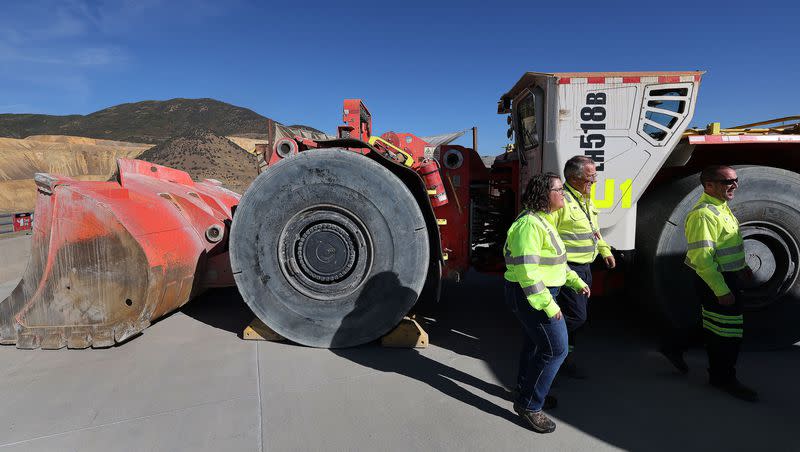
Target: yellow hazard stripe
[
  {"x": 731, "y": 266},
  {"x": 731, "y": 319},
  {"x": 736, "y": 249},
  {"x": 575, "y": 236},
  {"x": 534, "y": 288},
  {"x": 724, "y": 332},
  {"x": 580, "y": 249},
  {"x": 701, "y": 244}
]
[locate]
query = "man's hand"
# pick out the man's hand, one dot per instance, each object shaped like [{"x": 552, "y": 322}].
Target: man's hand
[
  {"x": 586, "y": 291},
  {"x": 558, "y": 315},
  {"x": 727, "y": 300},
  {"x": 610, "y": 262}
]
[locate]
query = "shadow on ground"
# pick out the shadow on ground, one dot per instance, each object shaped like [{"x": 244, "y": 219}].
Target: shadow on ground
[
  {"x": 633, "y": 399},
  {"x": 221, "y": 308},
  {"x": 414, "y": 363}
]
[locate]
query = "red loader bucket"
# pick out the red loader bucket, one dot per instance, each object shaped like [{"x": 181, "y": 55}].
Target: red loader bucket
[{"x": 108, "y": 258}]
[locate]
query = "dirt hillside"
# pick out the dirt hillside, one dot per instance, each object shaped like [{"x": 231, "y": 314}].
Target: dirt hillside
[
  {"x": 82, "y": 158},
  {"x": 248, "y": 144},
  {"x": 69, "y": 156},
  {"x": 205, "y": 155}
]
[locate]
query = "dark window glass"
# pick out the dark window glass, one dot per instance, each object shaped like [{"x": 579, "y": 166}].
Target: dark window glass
[{"x": 526, "y": 122}]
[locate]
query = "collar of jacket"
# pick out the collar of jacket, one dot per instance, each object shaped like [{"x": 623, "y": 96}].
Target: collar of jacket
[{"x": 708, "y": 199}]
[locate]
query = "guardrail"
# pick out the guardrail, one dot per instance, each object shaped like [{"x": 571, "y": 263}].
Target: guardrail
[{"x": 15, "y": 222}]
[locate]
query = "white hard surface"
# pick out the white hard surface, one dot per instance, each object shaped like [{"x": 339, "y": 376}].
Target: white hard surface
[{"x": 189, "y": 383}]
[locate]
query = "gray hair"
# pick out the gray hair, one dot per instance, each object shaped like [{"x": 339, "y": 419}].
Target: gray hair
[{"x": 574, "y": 166}]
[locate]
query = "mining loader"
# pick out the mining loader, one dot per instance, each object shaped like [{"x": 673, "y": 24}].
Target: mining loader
[{"x": 339, "y": 236}]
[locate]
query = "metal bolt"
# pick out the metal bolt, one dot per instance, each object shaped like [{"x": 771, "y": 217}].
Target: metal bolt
[{"x": 214, "y": 233}]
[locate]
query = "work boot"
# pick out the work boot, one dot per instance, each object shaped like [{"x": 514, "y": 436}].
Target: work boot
[
  {"x": 550, "y": 402},
  {"x": 538, "y": 421},
  {"x": 571, "y": 370},
  {"x": 738, "y": 390},
  {"x": 675, "y": 357}
]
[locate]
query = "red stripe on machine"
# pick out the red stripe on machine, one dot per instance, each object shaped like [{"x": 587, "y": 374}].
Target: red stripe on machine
[
  {"x": 628, "y": 79},
  {"x": 734, "y": 139}
]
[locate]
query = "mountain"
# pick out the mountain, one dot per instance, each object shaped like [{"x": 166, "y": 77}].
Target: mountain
[{"x": 142, "y": 122}]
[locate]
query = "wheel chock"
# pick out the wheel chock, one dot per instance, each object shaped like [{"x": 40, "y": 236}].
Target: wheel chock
[
  {"x": 258, "y": 331},
  {"x": 408, "y": 334}
]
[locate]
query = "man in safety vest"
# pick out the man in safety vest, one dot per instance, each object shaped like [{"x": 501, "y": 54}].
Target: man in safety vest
[
  {"x": 579, "y": 229},
  {"x": 716, "y": 254}
]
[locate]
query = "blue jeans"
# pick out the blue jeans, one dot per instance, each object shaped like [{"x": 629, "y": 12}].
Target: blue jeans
[{"x": 543, "y": 350}]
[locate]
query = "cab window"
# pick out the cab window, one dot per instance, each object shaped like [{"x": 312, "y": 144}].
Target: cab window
[{"x": 526, "y": 122}]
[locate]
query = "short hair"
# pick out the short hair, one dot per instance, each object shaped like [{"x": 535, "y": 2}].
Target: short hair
[
  {"x": 710, "y": 173},
  {"x": 537, "y": 192},
  {"x": 574, "y": 166}
]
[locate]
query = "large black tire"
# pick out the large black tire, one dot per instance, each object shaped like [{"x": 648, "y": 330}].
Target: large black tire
[
  {"x": 329, "y": 248},
  {"x": 767, "y": 205}
]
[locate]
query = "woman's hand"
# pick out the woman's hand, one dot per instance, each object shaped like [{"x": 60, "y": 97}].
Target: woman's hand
[
  {"x": 586, "y": 291},
  {"x": 558, "y": 315}
]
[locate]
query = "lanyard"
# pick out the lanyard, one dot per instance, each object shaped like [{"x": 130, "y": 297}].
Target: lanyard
[
  {"x": 585, "y": 211},
  {"x": 550, "y": 231}
]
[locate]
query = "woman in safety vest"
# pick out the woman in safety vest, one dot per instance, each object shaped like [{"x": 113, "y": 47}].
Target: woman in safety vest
[{"x": 536, "y": 268}]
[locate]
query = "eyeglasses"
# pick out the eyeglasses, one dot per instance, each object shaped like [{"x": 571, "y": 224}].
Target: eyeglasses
[
  {"x": 560, "y": 189},
  {"x": 735, "y": 180}
]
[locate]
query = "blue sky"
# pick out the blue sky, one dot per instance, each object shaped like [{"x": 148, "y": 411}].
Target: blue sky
[{"x": 421, "y": 67}]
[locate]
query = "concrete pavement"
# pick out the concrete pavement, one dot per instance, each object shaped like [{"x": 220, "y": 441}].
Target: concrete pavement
[{"x": 190, "y": 383}]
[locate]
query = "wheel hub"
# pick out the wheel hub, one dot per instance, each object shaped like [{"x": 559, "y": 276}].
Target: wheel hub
[
  {"x": 772, "y": 254},
  {"x": 325, "y": 252}
]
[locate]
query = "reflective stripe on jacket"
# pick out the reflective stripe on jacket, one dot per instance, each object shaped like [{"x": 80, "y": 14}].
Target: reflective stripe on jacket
[
  {"x": 575, "y": 229},
  {"x": 536, "y": 259},
  {"x": 714, "y": 242}
]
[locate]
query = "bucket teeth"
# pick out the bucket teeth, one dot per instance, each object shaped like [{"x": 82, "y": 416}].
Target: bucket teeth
[
  {"x": 28, "y": 341},
  {"x": 79, "y": 340},
  {"x": 73, "y": 338},
  {"x": 103, "y": 339},
  {"x": 8, "y": 336},
  {"x": 54, "y": 341}
]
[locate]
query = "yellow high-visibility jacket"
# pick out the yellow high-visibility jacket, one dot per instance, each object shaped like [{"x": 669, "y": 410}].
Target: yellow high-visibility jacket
[
  {"x": 536, "y": 259},
  {"x": 714, "y": 242},
  {"x": 580, "y": 233}
]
